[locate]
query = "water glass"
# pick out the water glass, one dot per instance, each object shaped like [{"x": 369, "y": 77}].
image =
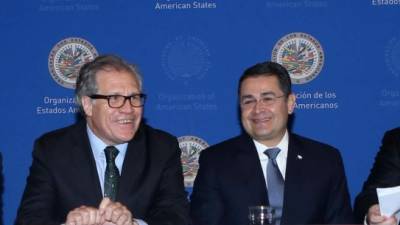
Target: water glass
[{"x": 261, "y": 215}]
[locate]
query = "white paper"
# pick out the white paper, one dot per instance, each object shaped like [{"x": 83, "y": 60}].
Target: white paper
[{"x": 389, "y": 201}]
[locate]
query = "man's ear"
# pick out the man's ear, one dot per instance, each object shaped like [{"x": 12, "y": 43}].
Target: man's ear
[
  {"x": 87, "y": 105},
  {"x": 291, "y": 102}
]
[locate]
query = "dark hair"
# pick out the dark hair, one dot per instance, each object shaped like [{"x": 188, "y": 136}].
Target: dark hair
[
  {"x": 269, "y": 69},
  {"x": 86, "y": 84}
]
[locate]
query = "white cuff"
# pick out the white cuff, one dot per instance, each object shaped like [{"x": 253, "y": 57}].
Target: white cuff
[{"x": 140, "y": 222}]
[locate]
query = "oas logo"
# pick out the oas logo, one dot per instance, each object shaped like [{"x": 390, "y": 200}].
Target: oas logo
[
  {"x": 392, "y": 56},
  {"x": 67, "y": 57},
  {"x": 191, "y": 147},
  {"x": 185, "y": 58},
  {"x": 301, "y": 54}
]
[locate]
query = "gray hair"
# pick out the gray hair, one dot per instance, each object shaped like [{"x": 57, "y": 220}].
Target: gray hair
[{"x": 86, "y": 84}]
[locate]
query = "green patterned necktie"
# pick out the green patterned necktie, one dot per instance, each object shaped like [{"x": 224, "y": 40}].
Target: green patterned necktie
[{"x": 111, "y": 176}]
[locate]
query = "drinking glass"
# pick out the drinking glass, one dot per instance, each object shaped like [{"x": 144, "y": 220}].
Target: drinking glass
[{"x": 261, "y": 215}]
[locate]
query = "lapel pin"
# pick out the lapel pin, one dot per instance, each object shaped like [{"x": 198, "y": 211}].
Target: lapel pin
[{"x": 299, "y": 157}]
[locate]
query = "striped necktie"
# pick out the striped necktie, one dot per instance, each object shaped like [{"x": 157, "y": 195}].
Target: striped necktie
[{"x": 275, "y": 183}]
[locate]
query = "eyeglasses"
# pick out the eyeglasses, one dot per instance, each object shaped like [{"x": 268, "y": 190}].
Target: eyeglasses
[
  {"x": 117, "y": 101},
  {"x": 267, "y": 100}
]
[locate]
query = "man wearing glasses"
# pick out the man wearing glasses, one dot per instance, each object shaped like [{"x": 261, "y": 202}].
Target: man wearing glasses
[
  {"x": 303, "y": 180},
  {"x": 110, "y": 169}
]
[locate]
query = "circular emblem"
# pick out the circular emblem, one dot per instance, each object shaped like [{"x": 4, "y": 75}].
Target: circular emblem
[
  {"x": 191, "y": 147},
  {"x": 392, "y": 56},
  {"x": 185, "y": 58},
  {"x": 301, "y": 54},
  {"x": 67, "y": 57}
]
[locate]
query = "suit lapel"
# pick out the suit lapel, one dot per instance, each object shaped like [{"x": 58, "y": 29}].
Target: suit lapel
[
  {"x": 248, "y": 169},
  {"x": 84, "y": 165},
  {"x": 293, "y": 177},
  {"x": 135, "y": 160}
]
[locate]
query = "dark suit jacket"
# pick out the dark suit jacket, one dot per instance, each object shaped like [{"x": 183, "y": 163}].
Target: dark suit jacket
[
  {"x": 384, "y": 173},
  {"x": 230, "y": 179},
  {"x": 63, "y": 176}
]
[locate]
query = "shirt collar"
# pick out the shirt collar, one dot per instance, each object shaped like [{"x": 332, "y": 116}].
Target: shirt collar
[
  {"x": 282, "y": 145},
  {"x": 98, "y": 145}
]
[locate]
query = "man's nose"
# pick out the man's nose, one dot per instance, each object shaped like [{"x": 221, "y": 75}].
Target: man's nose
[
  {"x": 126, "y": 107},
  {"x": 260, "y": 106}
]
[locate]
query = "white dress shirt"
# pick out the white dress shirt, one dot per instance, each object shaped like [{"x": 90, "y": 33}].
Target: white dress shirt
[
  {"x": 98, "y": 147},
  {"x": 280, "y": 159}
]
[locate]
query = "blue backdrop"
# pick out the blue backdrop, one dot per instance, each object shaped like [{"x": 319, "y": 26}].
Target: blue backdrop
[{"x": 191, "y": 54}]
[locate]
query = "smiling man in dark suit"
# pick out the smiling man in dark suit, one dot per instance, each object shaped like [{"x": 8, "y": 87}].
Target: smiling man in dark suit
[
  {"x": 110, "y": 169},
  {"x": 303, "y": 180}
]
